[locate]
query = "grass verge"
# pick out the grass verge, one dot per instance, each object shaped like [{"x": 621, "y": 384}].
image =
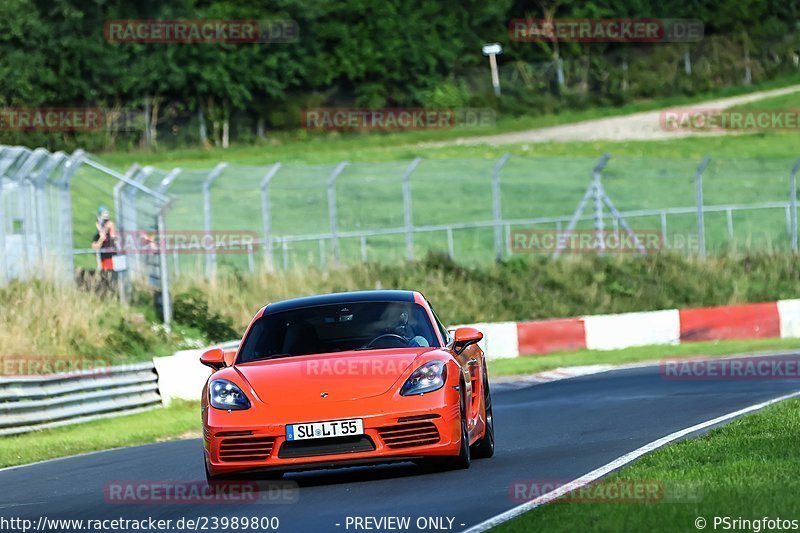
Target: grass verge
[
  {"x": 178, "y": 420},
  {"x": 540, "y": 363},
  {"x": 744, "y": 470},
  {"x": 46, "y": 320}
]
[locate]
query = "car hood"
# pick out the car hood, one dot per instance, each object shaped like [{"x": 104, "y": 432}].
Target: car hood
[{"x": 330, "y": 378}]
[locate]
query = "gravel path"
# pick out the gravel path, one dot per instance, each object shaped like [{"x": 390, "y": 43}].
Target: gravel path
[{"x": 643, "y": 126}]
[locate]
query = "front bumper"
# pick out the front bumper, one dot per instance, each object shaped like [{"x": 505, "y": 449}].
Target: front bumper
[{"x": 424, "y": 431}]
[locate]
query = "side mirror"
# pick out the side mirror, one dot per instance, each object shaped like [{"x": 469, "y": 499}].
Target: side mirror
[
  {"x": 214, "y": 358},
  {"x": 229, "y": 356},
  {"x": 465, "y": 337}
]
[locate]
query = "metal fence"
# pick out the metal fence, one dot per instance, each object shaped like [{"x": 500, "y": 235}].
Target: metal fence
[
  {"x": 328, "y": 215},
  {"x": 28, "y": 403}
]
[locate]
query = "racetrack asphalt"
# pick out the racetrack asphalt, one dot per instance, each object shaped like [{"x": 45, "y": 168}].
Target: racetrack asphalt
[{"x": 554, "y": 431}]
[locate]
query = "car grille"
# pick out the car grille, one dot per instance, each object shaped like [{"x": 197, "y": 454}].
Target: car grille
[
  {"x": 409, "y": 434},
  {"x": 236, "y": 449},
  {"x": 332, "y": 446}
]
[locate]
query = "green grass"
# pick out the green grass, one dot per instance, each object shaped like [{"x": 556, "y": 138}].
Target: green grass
[
  {"x": 539, "y": 363},
  {"x": 177, "y": 420},
  {"x": 785, "y": 102},
  {"x": 745, "y": 469},
  {"x": 46, "y": 320}
]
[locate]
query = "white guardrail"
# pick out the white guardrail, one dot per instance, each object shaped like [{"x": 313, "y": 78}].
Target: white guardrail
[{"x": 28, "y": 403}]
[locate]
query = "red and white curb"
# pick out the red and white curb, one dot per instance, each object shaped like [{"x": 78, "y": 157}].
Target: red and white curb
[{"x": 779, "y": 319}]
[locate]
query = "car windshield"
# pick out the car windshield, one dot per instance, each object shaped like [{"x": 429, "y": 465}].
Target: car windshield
[{"x": 337, "y": 328}]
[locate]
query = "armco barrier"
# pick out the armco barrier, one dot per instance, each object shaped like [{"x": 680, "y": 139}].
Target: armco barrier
[{"x": 38, "y": 402}]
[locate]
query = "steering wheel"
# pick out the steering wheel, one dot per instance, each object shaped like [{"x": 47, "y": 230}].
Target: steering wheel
[{"x": 403, "y": 342}]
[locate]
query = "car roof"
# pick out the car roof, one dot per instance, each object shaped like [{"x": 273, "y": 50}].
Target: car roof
[{"x": 340, "y": 298}]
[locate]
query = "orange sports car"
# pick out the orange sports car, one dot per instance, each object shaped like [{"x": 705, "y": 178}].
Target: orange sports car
[{"x": 344, "y": 379}]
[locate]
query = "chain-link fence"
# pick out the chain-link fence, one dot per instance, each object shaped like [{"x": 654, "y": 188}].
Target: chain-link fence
[{"x": 293, "y": 216}]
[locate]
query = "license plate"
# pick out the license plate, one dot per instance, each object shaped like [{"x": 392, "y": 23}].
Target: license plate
[{"x": 322, "y": 430}]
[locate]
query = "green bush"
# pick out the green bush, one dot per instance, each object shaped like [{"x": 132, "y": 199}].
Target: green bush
[
  {"x": 191, "y": 309},
  {"x": 533, "y": 287}
]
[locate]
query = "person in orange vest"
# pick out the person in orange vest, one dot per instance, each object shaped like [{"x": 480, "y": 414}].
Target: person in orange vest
[{"x": 105, "y": 240}]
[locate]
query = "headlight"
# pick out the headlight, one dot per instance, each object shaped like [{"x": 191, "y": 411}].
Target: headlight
[
  {"x": 427, "y": 378},
  {"x": 223, "y": 394}
]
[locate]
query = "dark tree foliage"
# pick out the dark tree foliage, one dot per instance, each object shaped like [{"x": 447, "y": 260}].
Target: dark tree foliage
[{"x": 356, "y": 53}]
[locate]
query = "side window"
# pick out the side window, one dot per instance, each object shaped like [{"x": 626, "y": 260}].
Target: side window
[{"x": 442, "y": 330}]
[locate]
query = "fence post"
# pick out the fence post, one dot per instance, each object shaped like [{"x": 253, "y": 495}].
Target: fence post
[
  {"x": 332, "y": 209},
  {"x": 266, "y": 214},
  {"x": 597, "y": 187},
  {"x": 7, "y": 159},
  {"x": 124, "y": 210},
  {"x": 409, "y": 223},
  {"x": 3, "y": 251},
  {"x": 166, "y": 304},
  {"x": 793, "y": 202},
  {"x": 122, "y": 205},
  {"x": 65, "y": 210},
  {"x": 590, "y": 192},
  {"x": 167, "y": 180},
  {"x": 25, "y": 199},
  {"x": 701, "y": 225},
  {"x": 41, "y": 203},
  {"x": 129, "y": 198},
  {"x": 211, "y": 258},
  {"x": 496, "y": 207},
  {"x": 451, "y": 247}
]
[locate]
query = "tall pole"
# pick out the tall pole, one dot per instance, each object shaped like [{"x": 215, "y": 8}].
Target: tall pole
[
  {"x": 65, "y": 210},
  {"x": 495, "y": 75},
  {"x": 332, "y": 210},
  {"x": 211, "y": 257},
  {"x": 408, "y": 218},
  {"x": 266, "y": 215},
  {"x": 793, "y": 201},
  {"x": 166, "y": 304},
  {"x": 599, "y": 225},
  {"x": 492, "y": 50},
  {"x": 23, "y": 177},
  {"x": 9, "y": 156},
  {"x": 590, "y": 192},
  {"x": 497, "y": 208},
  {"x": 701, "y": 224}
]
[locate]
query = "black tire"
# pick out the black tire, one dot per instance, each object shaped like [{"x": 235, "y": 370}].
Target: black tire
[{"x": 484, "y": 448}]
